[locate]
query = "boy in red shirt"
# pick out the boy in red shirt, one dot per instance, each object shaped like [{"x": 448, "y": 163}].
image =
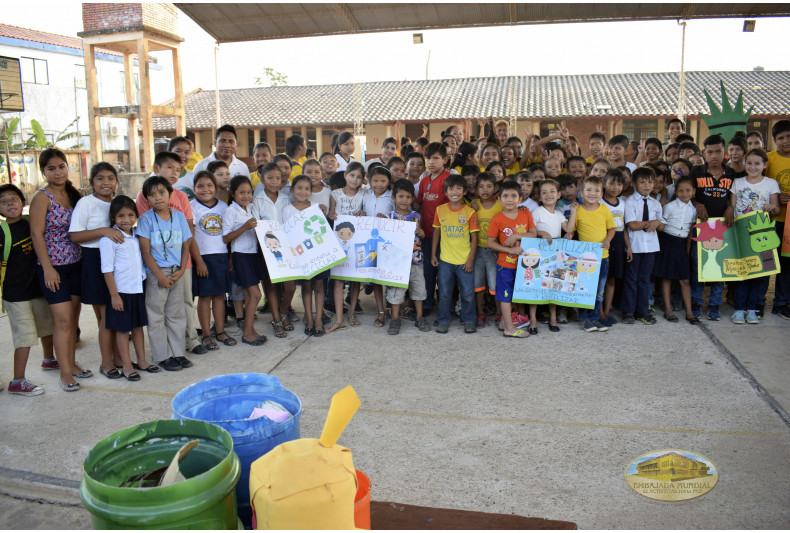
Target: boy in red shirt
[
  {"x": 430, "y": 195},
  {"x": 505, "y": 232}
]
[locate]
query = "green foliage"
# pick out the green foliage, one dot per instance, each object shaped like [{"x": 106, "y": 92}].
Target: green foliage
[
  {"x": 726, "y": 120},
  {"x": 271, "y": 77},
  {"x": 38, "y": 139}
]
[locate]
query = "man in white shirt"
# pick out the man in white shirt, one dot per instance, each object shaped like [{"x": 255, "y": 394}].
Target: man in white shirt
[{"x": 224, "y": 149}]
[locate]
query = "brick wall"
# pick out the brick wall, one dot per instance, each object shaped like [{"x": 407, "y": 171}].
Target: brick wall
[{"x": 161, "y": 17}]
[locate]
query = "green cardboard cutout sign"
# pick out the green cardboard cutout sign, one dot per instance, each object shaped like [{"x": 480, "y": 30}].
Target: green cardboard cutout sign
[{"x": 726, "y": 120}]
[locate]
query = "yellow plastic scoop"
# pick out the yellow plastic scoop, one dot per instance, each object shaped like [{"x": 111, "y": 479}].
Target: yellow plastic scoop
[
  {"x": 344, "y": 404},
  {"x": 308, "y": 483}
]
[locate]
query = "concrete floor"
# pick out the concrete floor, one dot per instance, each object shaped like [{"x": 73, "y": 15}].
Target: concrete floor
[{"x": 539, "y": 427}]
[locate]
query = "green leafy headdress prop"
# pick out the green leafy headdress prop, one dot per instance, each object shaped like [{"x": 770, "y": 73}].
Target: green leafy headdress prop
[{"x": 726, "y": 120}]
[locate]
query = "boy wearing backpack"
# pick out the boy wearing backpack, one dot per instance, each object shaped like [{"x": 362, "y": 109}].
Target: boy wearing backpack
[{"x": 28, "y": 312}]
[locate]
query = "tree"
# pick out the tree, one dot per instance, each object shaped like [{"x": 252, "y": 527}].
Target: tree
[
  {"x": 38, "y": 139},
  {"x": 272, "y": 77}
]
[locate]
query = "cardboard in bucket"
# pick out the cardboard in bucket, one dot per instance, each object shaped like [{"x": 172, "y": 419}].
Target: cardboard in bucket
[{"x": 308, "y": 483}]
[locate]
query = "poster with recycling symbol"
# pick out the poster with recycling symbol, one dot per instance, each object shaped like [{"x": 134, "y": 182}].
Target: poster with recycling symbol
[{"x": 300, "y": 247}]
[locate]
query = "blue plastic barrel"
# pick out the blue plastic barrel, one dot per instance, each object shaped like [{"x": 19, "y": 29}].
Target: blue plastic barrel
[{"x": 228, "y": 401}]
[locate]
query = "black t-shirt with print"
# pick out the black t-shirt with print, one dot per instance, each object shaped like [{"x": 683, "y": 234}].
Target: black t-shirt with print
[
  {"x": 711, "y": 192},
  {"x": 20, "y": 283}
]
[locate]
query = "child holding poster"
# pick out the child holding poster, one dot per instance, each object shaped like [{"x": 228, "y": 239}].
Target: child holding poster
[
  {"x": 505, "y": 232},
  {"x": 301, "y": 188},
  {"x": 347, "y": 201},
  {"x": 779, "y": 169},
  {"x": 755, "y": 192},
  {"x": 457, "y": 228},
  {"x": 403, "y": 193},
  {"x": 550, "y": 224},
  {"x": 595, "y": 223}
]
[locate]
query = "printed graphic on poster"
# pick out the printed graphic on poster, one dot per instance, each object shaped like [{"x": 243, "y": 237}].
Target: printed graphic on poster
[
  {"x": 378, "y": 250},
  {"x": 301, "y": 247},
  {"x": 563, "y": 272},
  {"x": 746, "y": 250},
  {"x": 786, "y": 236}
]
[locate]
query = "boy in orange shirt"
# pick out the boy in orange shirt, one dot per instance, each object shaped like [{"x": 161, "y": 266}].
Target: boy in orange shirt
[
  {"x": 505, "y": 232},
  {"x": 456, "y": 227}
]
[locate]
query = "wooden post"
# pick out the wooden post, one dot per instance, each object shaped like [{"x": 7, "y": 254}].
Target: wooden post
[
  {"x": 134, "y": 140},
  {"x": 319, "y": 141},
  {"x": 145, "y": 102},
  {"x": 609, "y": 129},
  {"x": 94, "y": 123},
  {"x": 660, "y": 129},
  {"x": 181, "y": 126},
  {"x": 467, "y": 129}
]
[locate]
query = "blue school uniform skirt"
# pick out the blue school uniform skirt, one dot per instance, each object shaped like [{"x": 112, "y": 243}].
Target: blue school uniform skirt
[
  {"x": 132, "y": 316},
  {"x": 617, "y": 255},
  {"x": 672, "y": 261},
  {"x": 218, "y": 280},
  {"x": 249, "y": 269},
  {"x": 94, "y": 288}
]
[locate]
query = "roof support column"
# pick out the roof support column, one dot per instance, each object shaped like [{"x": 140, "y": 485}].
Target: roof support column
[
  {"x": 134, "y": 138},
  {"x": 319, "y": 141},
  {"x": 94, "y": 122},
  {"x": 181, "y": 124},
  {"x": 146, "y": 114}
]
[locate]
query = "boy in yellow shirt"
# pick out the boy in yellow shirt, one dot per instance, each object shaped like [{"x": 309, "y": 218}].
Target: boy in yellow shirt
[
  {"x": 486, "y": 206},
  {"x": 457, "y": 228}
]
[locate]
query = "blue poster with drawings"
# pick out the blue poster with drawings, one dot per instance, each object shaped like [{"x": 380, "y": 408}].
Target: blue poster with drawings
[{"x": 563, "y": 272}]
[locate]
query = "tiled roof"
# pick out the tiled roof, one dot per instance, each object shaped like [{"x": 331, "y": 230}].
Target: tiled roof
[
  {"x": 26, "y": 34},
  {"x": 593, "y": 95}
]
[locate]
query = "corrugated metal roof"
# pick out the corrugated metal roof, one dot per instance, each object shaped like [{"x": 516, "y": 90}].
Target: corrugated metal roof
[
  {"x": 251, "y": 22},
  {"x": 537, "y": 97}
]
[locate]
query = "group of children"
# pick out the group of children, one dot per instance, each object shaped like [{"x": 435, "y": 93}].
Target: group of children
[{"x": 191, "y": 235}]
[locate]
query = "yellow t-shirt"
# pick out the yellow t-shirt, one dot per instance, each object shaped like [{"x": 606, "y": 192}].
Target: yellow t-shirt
[
  {"x": 779, "y": 169},
  {"x": 590, "y": 160},
  {"x": 255, "y": 179},
  {"x": 456, "y": 230},
  {"x": 592, "y": 226},
  {"x": 193, "y": 160},
  {"x": 484, "y": 217},
  {"x": 295, "y": 171},
  {"x": 514, "y": 168}
]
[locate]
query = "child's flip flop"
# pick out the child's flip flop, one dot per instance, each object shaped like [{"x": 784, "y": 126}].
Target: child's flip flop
[{"x": 518, "y": 334}]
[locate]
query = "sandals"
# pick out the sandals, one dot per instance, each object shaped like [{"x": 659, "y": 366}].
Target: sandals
[
  {"x": 82, "y": 375},
  {"x": 112, "y": 374},
  {"x": 318, "y": 332},
  {"x": 281, "y": 334},
  {"x": 518, "y": 334},
  {"x": 336, "y": 326},
  {"x": 134, "y": 376},
  {"x": 257, "y": 342},
  {"x": 379, "y": 322},
  {"x": 151, "y": 369},
  {"x": 211, "y": 346},
  {"x": 352, "y": 319},
  {"x": 694, "y": 321},
  {"x": 671, "y": 318},
  {"x": 227, "y": 341},
  {"x": 309, "y": 331},
  {"x": 71, "y": 387},
  {"x": 287, "y": 327}
]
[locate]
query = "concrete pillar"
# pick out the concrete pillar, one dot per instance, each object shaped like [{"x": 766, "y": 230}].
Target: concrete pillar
[
  {"x": 303, "y": 132},
  {"x": 703, "y": 130},
  {"x": 618, "y": 127},
  {"x": 271, "y": 138},
  {"x": 146, "y": 113},
  {"x": 660, "y": 131},
  {"x": 535, "y": 127},
  {"x": 390, "y": 131},
  {"x": 609, "y": 129},
  {"x": 319, "y": 141},
  {"x": 288, "y": 132},
  {"x": 693, "y": 128}
]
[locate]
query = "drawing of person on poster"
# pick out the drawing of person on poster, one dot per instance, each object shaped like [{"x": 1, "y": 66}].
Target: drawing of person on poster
[{"x": 711, "y": 235}]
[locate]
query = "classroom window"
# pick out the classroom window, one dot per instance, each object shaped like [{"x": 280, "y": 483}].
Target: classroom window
[
  {"x": 639, "y": 129},
  {"x": 34, "y": 70},
  {"x": 279, "y": 141}
]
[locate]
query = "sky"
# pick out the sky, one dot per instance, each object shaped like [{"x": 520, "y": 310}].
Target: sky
[{"x": 583, "y": 48}]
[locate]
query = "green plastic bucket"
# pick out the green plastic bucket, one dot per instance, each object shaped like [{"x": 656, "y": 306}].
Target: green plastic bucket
[{"x": 206, "y": 500}]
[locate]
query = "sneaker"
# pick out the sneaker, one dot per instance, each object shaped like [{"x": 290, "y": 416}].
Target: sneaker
[
  {"x": 394, "y": 327},
  {"x": 442, "y": 328},
  {"x": 562, "y": 317},
  {"x": 422, "y": 324},
  {"x": 24, "y": 388},
  {"x": 589, "y": 326},
  {"x": 469, "y": 327},
  {"x": 50, "y": 364},
  {"x": 628, "y": 318},
  {"x": 650, "y": 310},
  {"x": 609, "y": 321},
  {"x": 601, "y": 326},
  {"x": 784, "y": 312},
  {"x": 760, "y": 312},
  {"x": 738, "y": 317},
  {"x": 481, "y": 321},
  {"x": 713, "y": 312},
  {"x": 519, "y": 321},
  {"x": 751, "y": 317},
  {"x": 647, "y": 319},
  {"x": 696, "y": 310}
]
